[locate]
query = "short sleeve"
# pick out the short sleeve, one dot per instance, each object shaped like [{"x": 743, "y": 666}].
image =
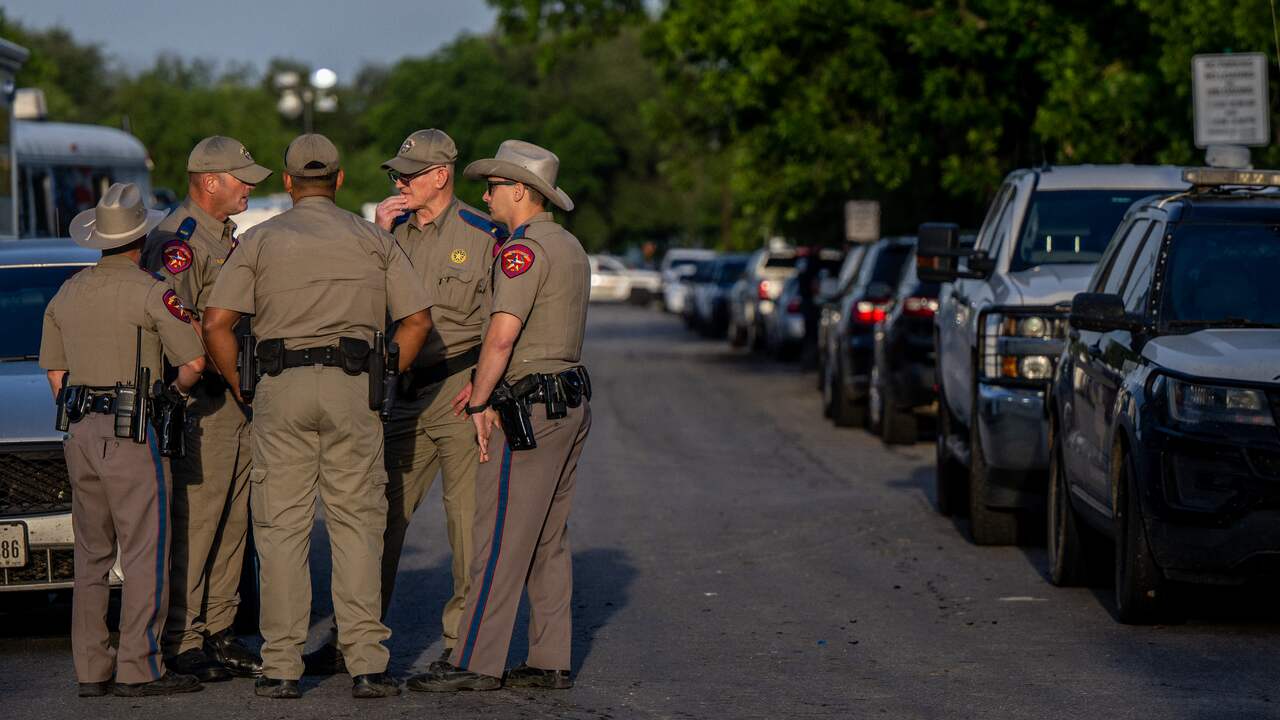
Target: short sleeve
[
  {"x": 235, "y": 287},
  {"x": 519, "y": 275},
  {"x": 172, "y": 321},
  {"x": 405, "y": 292},
  {"x": 53, "y": 355},
  {"x": 182, "y": 268}
]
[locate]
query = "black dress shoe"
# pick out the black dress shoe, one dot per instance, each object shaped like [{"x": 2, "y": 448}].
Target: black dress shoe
[
  {"x": 374, "y": 685},
  {"x": 231, "y": 654},
  {"x": 453, "y": 679},
  {"x": 532, "y": 677},
  {"x": 277, "y": 689},
  {"x": 442, "y": 664},
  {"x": 169, "y": 684},
  {"x": 197, "y": 663},
  {"x": 324, "y": 660},
  {"x": 94, "y": 689}
]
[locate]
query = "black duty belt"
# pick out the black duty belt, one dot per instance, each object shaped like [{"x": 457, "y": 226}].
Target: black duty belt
[
  {"x": 104, "y": 403},
  {"x": 560, "y": 391},
  {"x": 421, "y": 378},
  {"x": 326, "y": 356}
]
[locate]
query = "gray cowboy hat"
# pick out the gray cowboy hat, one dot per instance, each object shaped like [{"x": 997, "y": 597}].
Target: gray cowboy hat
[
  {"x": 119, "y": 219},
  {"x": 525, "y": 163}
]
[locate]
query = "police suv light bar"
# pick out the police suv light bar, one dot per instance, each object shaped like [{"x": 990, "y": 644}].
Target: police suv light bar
[{"x": 1203, "y": 177}]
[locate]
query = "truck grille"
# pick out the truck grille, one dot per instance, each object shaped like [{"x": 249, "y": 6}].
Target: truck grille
[
  {"x": 44, "y": 566},
  {"x": 34, "y": 481}
]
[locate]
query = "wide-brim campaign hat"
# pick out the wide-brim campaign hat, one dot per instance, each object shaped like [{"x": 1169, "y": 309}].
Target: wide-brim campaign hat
[
  {"x": 526, "y": 163},
  {"x": 119, "y": 218}
]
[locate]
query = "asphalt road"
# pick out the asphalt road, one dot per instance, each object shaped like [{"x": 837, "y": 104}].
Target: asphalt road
[{"x": 736, "y": 556}]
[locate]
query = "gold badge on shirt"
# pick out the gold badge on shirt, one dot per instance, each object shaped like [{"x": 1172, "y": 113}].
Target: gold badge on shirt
[{"x": 458, "y": 257}]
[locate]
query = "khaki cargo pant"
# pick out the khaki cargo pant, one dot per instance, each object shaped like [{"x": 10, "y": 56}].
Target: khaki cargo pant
[
  {"x": 119, "y": 495},
  {"x": 425, "y": 438},
  {"x": 522, "y": 543},
  {"x": 210, "y": 518},
  {"x": 314, "y": 435}
]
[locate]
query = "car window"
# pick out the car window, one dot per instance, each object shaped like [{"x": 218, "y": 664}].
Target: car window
[
  {"x": 1103, "y": 270},
  {"x": 1124, "y": 256},
  {"x": 1002, "y": 199},
  {"x": 1218, "y": 273},
  {"x": 852, "y": 263},
  {"x": 1070, "y": 226},
  {"x": 1137, "y": 289},
  {"x": 728, "y": 271},
  {"x": 780, "y": 261},
  {"x": 888, "y": 265},
  {"x": 24, "y": 294}
]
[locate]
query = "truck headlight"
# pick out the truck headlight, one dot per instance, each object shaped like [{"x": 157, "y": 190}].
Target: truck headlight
[
  {"x": 1035, "y": 367},
  {"x": 1195, "y": 403},
  {"x": 1021, "y": 347}
]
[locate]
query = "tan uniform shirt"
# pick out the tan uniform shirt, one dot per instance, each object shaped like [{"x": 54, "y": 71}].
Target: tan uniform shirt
[
  {"x": 452, "y": 256},
  {"x": 316, "y": 273},
  {"x": 541, "y": 276},
  {"x": 90, "y": 325},
  {"x": 190, "y": 258}
]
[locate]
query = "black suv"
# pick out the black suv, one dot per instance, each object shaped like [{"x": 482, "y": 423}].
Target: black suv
[
  {"x": 903, "y": 379},
  {"x": 1165, "y": 401}
]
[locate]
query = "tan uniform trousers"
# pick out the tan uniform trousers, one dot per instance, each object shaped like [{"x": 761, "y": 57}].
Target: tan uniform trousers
[
  {"x": 119, "y": 495},
  {"x": 314, "y": 434},
  {"x": 425, "y": 438},
  {"x": 522, "y": 543},
  {"x": 210, "y": 519}
]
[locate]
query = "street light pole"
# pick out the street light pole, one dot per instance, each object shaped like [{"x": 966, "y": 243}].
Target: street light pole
[{"x": 303, "y": 96}]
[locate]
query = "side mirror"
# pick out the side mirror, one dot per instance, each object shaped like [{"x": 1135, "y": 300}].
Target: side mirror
[
  {"x": 938, "y": 248},
  {"x": 1100, "y": 312}
]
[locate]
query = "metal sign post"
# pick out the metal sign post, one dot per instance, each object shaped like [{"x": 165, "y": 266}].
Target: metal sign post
[{"x": 1232, "y": 106}]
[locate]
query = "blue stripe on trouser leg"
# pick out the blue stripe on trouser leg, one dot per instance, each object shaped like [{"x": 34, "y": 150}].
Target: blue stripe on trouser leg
[
  {"x": 504, "y": 479},
  {"x": 162, "y": 502}
]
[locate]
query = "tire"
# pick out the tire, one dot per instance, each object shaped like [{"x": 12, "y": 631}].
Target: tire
[
  {"x": 950, "y": 479},
  {"x": 755, "y": 337},
  {"x": 844, "y": 411},
  {"x": 1075, "y": 555},
  {"x": 821, "y": 362},
  {"x": 989, "y": 526},
  {"x": 875, "y": 402},
  {"x": 898, "y": 426},
  {"x": 1140, "y": 586},
  {"x": 737, "y": 335},
  {"x": 827, "y": 385}
]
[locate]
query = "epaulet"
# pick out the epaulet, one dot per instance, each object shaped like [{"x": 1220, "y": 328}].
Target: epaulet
[
  {"x": 186, "y": 229},
  {"x": 152, "y": 273},
  {"x": 495, "y": 230},
  {"x": 400, "y": 220}
]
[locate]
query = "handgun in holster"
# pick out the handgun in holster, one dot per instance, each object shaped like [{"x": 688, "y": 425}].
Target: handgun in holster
[
  {"x": 169, "y": 418},
  {"x": 384, "y": 374},
  {"x": 247, "y": 358},
  {"x": 132, "y": 402},
  {"x": 513, "y": 413},
  {"x": 73, "y": 401}
]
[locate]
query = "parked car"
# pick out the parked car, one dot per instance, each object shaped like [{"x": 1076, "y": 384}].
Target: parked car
[
  {"x": 850, "y": 339},
  {"x": 753, "y": 296},
  {"x": 613, "y": 281},
  {"x": 784, "y": 327},
  {"x": 1166, "y": 400},
  {"x": 1000, "y": 325},
  {"x": 678, "y": 264},
  {"x": 36, "y": 538},
  {"x": 709, "y": 300},
  {"x": 903, "y": 387},
  {"x": 829, "y": 302}
]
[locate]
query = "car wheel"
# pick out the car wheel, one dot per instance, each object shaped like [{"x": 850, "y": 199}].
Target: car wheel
[
  {"x": 1140, "y": 586},
  {"x": 737, "y": 334},
  {"x": 1073, "y": 548},
  {"x": 898, "y": 426},
  {"x": 844, "y": 411},
  {"x": 755, "y": 337},
  {"x": 950, "y": 479},
  {"x": 827, "y": 383},
  {"x": 821, "y": 361},
  {"x": 875, "y": 402},
  {"x": 989, "y": 526}
]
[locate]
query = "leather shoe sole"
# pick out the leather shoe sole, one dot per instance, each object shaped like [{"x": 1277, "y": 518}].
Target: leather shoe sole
[
  {"x": 277, "y": 689},
  {"x": 453, "y": 682},
  {"x": 94, "y": 689},
  {"x": 373, "y": 686},
  {"x": 531, "y": 677}
]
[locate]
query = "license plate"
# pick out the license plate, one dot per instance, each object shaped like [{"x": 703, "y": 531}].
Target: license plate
[{"x": 13, "y": 545}]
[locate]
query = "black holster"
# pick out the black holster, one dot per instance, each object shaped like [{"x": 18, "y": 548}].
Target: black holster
[
  {"x": 270, "y": 355},
  {"x": 73, "y": 402},
  {"x": 513, "y": 413},
  {"x": 169, "y": 416},
  {"x": 247, "y": 358}
]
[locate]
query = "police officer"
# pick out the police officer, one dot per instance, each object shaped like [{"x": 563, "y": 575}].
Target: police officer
[
  {"x": 101, "y": 325},
  {"x": 210, "y": 483},
  {"x": 533, "y": 344},
  {"x": 450, "y": 245},
  {"x": 320, "y": 282}
]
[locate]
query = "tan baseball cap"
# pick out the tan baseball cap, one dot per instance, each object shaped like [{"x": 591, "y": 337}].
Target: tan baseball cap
[
  {"x": 421, "y": 150},
  {"x": 311, "y": 156},
  {"x": 223, "y": 154}
]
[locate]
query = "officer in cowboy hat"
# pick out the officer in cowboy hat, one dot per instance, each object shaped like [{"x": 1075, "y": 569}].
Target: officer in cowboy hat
[
  {"x": 532, "y": 344},
  {"x": 93, "y": 327}
]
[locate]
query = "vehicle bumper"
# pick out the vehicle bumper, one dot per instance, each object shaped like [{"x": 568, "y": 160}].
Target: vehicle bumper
[
  {"x": 1013, "y": 428},
  {"x": 50, "y": 555}
]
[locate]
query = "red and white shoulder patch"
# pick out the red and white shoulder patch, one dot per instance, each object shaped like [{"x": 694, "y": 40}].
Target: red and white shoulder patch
[
  {"x": 516, "y": 260},
  {"x": 177, "y": 255},
  {"x": 174, "y": 305}
]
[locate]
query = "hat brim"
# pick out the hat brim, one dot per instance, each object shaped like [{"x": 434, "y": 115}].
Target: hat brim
[
  {"x": 85, "y": 235},
  {"x": 405, "y": 166},
  {"x": 481, "y": 169},
  {"x": 251, "y": 174}
]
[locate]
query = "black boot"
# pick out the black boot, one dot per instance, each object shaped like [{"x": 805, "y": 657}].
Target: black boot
[
  {"x": 442, "y": 663},
  {"x": 453, "y": 679},
  {"x": 277, "y": 689},
  {"x": 324, "y": 660},
  {"x": 197, "y": 663},
  {"x": 169, "y": 684},
  {"x": 374, "y": 685},
  {"x": 94, "y": 689},
  {"x": 232, "y": 655},
  {"x": 532, "y": 677}
]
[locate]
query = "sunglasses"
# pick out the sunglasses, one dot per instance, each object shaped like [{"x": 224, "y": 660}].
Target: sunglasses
[
  {"x": 398, "y": 177},
  {"x": 499, "y": 183}
]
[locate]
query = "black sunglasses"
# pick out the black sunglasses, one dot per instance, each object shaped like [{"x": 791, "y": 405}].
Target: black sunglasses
[
  {"x": 397, "y": 177},
  {"x": 499, "y": 183}
]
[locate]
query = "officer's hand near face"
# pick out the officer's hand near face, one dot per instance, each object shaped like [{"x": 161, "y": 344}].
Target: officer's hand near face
[
  {"x": 390, "y": 209},
  {"x": 485, "y": 423},
  {"x": 461, "y": 399}
]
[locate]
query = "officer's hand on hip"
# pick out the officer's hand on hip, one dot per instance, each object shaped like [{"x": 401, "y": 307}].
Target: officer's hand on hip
[
  {"x": 485, "y": 423},
  {"x": 461, "y": 399},
  {"x": 390, "y": 209}
]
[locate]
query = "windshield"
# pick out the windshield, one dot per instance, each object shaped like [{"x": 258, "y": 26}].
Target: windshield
[
  {"x": 1223, "y": 275},
  {"x": 705, "y": 272},
  {"x": 889, "y": 262},
  {"x": 728, "y": 272},
  {"x": 1070, "y": 226},
  {"x": 24, "y": 293}
]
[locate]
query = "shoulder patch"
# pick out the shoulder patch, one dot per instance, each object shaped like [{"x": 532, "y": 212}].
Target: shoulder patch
[
  {"x": 176, "y": 254},
  {"x": 153, "y": 274},
  {"x": 174, "y": 305},
  {"x": 495, "y": 230},
  {"x": 516, "y": 260}
]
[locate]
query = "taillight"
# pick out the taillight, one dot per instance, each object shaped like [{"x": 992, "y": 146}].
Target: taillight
[
  {"x": 919, "y": 307},
  {"x": 763, "y": 290},
  {"x": 794, "y": 305},
  {"x": 868, "y": 313}
]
